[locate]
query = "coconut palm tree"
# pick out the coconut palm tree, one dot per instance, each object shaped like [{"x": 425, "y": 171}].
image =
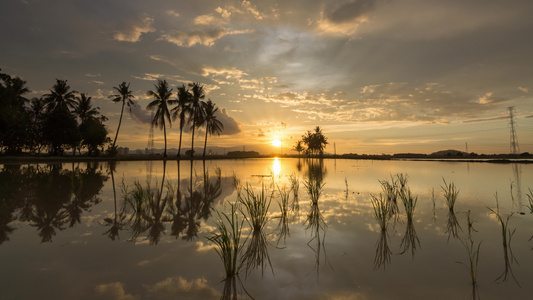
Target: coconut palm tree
[
  {"x": 298, "y": 147},
  {"x": 181, "y": 110},
  {"x": 60, "y": 97},
  {"x": 125, "y": 96},
  {"x": 212, "y": 124},
  {"x": 162, "y": 99},
  {"x": 196, "y": 107},
  {"x": 84, "y": 108}
]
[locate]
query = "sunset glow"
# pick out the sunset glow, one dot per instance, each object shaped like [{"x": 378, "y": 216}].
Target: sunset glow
[
  {"x": 276, "y": 143},
  {"x": 376, "y": 76}
]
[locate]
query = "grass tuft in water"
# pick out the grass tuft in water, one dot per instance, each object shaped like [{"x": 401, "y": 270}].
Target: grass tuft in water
[
  {"x": 255, "y": 208},
  {"x": 283, "y": 225},
  {"x": 507, "y": 236},
  {"x": 530, "y": 200},
  {"x": 410, "y": 239},
  {"x": 450, "y": 195},
  {"x": 383, "y": 215},
  {"x": 228, "y": 240}
]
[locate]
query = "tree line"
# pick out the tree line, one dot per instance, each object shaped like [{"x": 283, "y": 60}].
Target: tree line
[{"x": 65, "y": 119}]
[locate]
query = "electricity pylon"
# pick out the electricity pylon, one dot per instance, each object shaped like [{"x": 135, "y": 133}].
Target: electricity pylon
[{"x": 515, "y": 149}]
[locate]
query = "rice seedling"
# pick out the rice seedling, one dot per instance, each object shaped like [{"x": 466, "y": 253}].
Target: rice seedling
[
  {"x": 295, "y": 188},
  {"x": 314, "y": 219},
  {"x": 530, "y": 200},
  {"x": 255, "y": 208},
  {"x": 473, "y": 261},
  {"x": 391, "y": 191},
  {"x": 410, "y": 239},
  {"x": 283, "y": 225},
  {"x": 228, "y": 241},
  {"x": 314, "y": 189},
  {"x": 507, "y": 236},
  {"x": 401, "y": 182},
  {"x": 470, "y": 223},
  {"x": 450, "y": 195},
  {"x": 382, "y": 214}
]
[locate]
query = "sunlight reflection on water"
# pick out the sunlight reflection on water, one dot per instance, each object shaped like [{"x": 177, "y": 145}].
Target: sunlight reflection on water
[{"x": 84, "y": 220}]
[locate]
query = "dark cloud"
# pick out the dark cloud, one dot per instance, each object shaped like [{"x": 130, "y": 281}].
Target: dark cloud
[
  {"x": 231, "y": 126},
  {"x": 140, "y": 115},
  {"x": 346, "y": 11}
]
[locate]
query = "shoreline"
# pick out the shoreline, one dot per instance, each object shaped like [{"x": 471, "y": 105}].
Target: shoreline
[{"x": 66, "y": 159}]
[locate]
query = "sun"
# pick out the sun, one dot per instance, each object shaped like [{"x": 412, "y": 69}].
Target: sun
[{"x": 276, "y": 143}]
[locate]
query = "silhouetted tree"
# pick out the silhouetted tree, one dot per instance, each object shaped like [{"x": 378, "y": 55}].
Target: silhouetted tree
[
  {"x": 60, "y": 97},
  {"x": 315, "y": 142},
  {"x": 84, "y": 109},
  {"x": 162, "y": 96},
  {"x": 37, "y": 114},
  {"x": 13, "y": 115},
  {"x": 212, "y": 124},
  {"x": 298, "y": 147},
  {"x": 181, "y": 110},
  {"x": 125, "y": 96},
  {"x": 196, "y": 107},
  {"x": 60, "y": 130}
]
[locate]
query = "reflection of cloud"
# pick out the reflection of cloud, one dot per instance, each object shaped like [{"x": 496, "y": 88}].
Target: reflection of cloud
[
  {"x": 134, "y": 29},
  {"x": 174, "y": 287},
  {"x": 113, "y": 291}
]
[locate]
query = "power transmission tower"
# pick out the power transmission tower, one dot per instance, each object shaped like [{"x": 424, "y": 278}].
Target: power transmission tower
[{"x": 515, "y": 149}]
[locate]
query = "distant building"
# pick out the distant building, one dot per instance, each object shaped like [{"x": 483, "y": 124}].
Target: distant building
[{"x": 123, "y": 150}]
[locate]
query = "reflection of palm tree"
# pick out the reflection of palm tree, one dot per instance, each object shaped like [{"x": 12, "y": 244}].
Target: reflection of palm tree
[
  {"x": 181, "y": 110},
  {"x": 125, "y": 96},
  {"x": 212, "y": 125},
  {"x": 161, "y": 96},
  {"x": 196, "y": 107},
  {"x": 117, "y": 223}
]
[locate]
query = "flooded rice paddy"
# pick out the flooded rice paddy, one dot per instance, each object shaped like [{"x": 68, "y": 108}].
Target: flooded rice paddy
[{"x": 308, "y": 229}]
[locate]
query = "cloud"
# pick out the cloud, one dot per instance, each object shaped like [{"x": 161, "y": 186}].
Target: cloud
[
  {"x": 173, "y": 13},
  {"x": 345, "y": 17},
  {"x": 227, "y": 73},
  {"x": 140, "y": 115},
  {"x": 200, "y": 37},
  {"x": 179, "y": 287},
  {"x": 134, "y": 29},
  {"x": 230, "y": 125},
  {"x": 113, "y": 291}
]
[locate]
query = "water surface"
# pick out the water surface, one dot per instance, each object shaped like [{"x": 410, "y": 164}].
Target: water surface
[{"x": 74, "y": 230}]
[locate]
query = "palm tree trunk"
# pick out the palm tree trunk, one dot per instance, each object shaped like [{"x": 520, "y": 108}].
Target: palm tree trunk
[
  {"x": 179, "y": 145},
  {"x": 205, "y": 143},
  {"x": 165, "y": 134},
  {"x": 119, "y": 122},
  {"x": 192, "y": 144}
]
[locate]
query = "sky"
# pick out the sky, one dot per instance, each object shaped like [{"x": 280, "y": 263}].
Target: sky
[{"x": 383, "y": 76}]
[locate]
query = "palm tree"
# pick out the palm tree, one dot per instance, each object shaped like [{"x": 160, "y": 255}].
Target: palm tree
[
  {"x": 298, "y": 147},
  {"x": 60, "y": 97},
  {"x": 181, "y": 111},
  {"x": 161, "y": 96},
  {"x": 212, "y": 124},
  {"x": 196, "y": 107},
  {"x": 125, "y": 96},
  {"x": 84, "y": 108}
]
